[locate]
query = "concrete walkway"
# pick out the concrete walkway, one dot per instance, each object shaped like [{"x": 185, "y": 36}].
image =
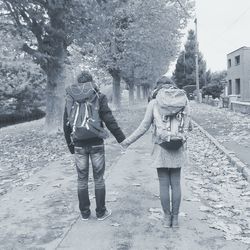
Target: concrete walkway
[{"x": 136, "y": 222}]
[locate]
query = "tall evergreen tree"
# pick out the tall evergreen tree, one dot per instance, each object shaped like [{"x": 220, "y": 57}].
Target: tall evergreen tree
[{"x": 184, "y": 73}]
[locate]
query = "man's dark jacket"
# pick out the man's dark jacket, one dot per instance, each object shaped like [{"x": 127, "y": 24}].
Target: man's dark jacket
[{"x": 105, "y": 115}]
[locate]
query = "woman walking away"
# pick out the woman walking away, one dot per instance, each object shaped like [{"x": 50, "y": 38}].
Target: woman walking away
[{"x": 168, "y": 112}]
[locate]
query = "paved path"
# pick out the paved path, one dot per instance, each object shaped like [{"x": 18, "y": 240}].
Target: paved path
[
  {"x": 230, "y": 128},
  {"x": 42, "y": 211},
  {"x": 136, "y": 223}
]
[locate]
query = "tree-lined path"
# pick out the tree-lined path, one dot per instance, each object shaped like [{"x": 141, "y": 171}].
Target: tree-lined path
[
  {"x": 41, "y": 212},
  {"x": 127, "y": 46}
]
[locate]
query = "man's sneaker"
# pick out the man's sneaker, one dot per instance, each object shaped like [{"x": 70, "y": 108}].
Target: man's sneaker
[
  {"x": 85, "y": 217},
  {"x": 106, "y": 215}
]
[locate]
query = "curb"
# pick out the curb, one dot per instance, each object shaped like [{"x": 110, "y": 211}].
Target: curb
[{"x": 241, "y": 167}]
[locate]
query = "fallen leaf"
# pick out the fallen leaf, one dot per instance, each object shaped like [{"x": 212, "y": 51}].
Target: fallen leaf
[
  {"x": 113, "y": 193},
  {"x": 156, "y": 195},
  {"x": 205, "y": 209},
  {"x": 112, "y": 199},
  {"x": 155, "y": 210},
  {"x": 155, "y": 216},
  {"x": 27, "y": 200},
  {"x": 57, "y": 185},
  {"x": 183, "y": 214},
  {"x": 192, "y": 199},
  {"x": 136, "y": 184},
  {"x": 246, "y": 240},
  {"x": 115, "y": 224},
  {"x": 220, "y": 225}
]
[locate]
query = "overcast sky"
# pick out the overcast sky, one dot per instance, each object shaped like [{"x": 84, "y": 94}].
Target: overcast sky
[{"x": 223, "y": 26}]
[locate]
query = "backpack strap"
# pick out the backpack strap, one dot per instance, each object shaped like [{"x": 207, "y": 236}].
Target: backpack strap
[
  {"x": 180, "y": 116},
  {"x": 76, "y": 117},
  {"x": 85, "y": 115},
  {"x": 97, "y": 92}
]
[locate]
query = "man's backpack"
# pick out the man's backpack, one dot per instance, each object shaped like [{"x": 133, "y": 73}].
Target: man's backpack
[
  {"x": 82, "y": 106},
  {"x": 169, "y": 117}
]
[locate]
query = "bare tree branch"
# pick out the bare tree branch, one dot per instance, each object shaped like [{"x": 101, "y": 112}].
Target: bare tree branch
[
  {"x": 5, "y": 14},
  {"x": 41, "y": 58},
  {"x": 35, "y": 27},
  {"x": 13, "y": 13},
  {"x": 42, "y": 3},
  {"x": 37, "y": 30},
  {"x": 25, "y": 16}
]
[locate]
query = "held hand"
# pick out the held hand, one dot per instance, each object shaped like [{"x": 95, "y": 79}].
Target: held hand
[
  {"x": 123, "y": 150},
  {"x": 190, "y": 126},
  {"x": 184, "y": 137},
  {"x": 124, "y": 146}
]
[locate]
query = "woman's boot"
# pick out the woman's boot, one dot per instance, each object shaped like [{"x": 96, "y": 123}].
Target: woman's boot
[
  {"x": 175, "y": 222},
  {"x": 167, "y": 220}
]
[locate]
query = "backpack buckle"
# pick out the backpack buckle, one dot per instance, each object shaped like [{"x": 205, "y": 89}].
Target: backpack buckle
[
  {"x": 165, "y": 118},
  {"x": 180, "y": 129}
]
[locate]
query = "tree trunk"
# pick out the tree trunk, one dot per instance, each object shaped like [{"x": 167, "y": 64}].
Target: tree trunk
[
  {"x": 147, "y": 91},
  {"x": 56, "y": 70},
  {"x": 116, "y": 90},
  {"x": 131, "y": 94},
  {"x": 55, "y": 91},
  {"x": 144, "y": 92},
  {"x": 138, "y": 92}
]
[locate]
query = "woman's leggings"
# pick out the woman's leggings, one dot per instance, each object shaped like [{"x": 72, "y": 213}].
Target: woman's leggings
[{"x": 170, "y": 177}]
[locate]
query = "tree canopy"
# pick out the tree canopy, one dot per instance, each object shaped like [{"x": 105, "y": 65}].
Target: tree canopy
[
  {"x": 133, "y": 40},
  {"x": 141, "y": 39},
  {"x": 47, "y": 28}
]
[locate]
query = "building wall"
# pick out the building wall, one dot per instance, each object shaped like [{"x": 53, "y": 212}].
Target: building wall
[
  {"x": 246, "y": 93},
  {"x": 241, "y": 71}
]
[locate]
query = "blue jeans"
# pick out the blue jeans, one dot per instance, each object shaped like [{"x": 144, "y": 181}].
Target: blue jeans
[{"x": 97, "y": 157}]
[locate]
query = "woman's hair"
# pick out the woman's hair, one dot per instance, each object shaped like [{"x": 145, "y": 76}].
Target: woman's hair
[{"x": 164, "y": 80}]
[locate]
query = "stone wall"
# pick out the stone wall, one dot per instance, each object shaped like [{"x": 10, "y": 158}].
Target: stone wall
[{"x": 242, "y": 107}]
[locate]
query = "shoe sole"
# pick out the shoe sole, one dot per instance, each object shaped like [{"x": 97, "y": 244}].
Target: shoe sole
[
  {"x": 85, "y": 219},
  {"x": 167, "y": 226},
  {"x": 175, "y": 226},
  {"x": 105, "y": 217},
  {"x": 167, "y": 221}
]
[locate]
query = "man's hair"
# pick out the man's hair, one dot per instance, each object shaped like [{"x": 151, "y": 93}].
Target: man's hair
[{"x": 84, "y": 76}]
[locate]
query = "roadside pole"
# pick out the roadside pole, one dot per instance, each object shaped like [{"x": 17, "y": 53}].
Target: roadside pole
[{"x": 197, "y": 63}]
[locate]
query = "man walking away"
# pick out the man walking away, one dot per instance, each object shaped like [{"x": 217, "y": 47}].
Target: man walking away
[{"x": 85, "y": 111}]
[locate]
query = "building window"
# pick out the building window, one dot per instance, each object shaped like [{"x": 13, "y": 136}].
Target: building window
[
  {"x": 237, "y": 60},
  {"x": 229, "y": 63},
  {"x": 237, "y": 86},
  {"x": 230, "y": 87}
]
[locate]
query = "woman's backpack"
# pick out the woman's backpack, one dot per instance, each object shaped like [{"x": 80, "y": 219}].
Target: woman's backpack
[{"x": 169, "y": 117}]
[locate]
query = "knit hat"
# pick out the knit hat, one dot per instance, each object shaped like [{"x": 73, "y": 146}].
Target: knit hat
[{"x": 84, "y": 76}]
